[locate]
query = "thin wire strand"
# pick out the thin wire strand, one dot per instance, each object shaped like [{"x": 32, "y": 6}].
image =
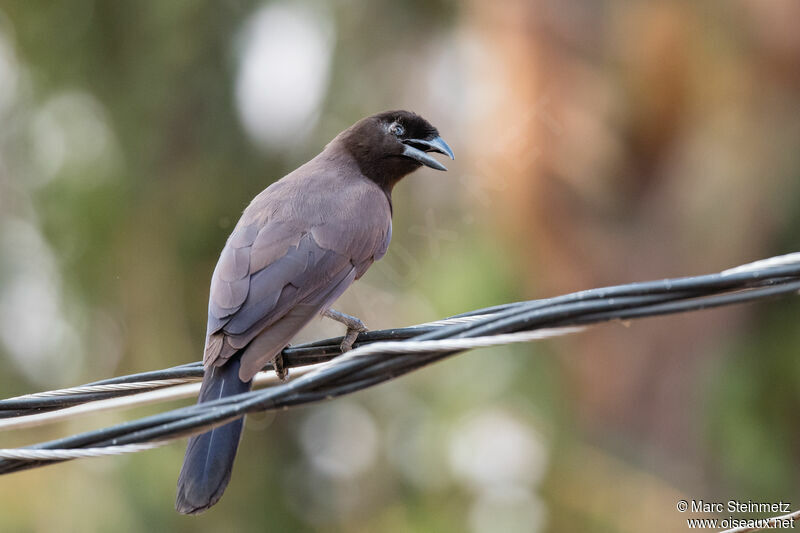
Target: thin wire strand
[
  {"x": 448, "y": 345},
  {"x": 163, "y": 394},
  {"x": 80, "y": 453},
  {"x": 779, "y": 260},
  {"x": 114, "y": 387}
]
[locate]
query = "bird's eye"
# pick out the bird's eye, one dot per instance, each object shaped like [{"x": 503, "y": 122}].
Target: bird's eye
[{"x": 396, "y": 129}]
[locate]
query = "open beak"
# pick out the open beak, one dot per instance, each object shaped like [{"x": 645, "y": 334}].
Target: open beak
[{"x": 417, "y": 149}]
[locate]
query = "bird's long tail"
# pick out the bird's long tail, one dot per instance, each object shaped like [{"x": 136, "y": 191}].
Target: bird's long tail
[{"x": 209, "y": 457}]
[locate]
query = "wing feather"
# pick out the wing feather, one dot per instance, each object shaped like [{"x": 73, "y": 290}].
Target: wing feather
[{"x": 295, "y": 250}]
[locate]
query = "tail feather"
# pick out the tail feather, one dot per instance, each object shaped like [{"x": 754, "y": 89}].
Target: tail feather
[{"x": 209, "y": 457}]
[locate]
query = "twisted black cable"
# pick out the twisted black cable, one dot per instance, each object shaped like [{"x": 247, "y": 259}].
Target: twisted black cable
[{"x": 348, "y": 375}]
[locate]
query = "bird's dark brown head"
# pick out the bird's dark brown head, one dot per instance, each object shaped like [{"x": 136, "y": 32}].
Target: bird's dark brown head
[{"x": 389, "y": 145}]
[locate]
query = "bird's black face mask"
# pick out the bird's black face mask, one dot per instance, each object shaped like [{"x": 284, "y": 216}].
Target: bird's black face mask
[{"x": 395, "y": 143}]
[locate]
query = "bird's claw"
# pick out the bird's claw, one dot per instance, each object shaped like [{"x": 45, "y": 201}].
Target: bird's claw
[
  {"x": 354, "y": 327},
  {"x": 351, "y": 336},
  {"x": 280, "y": 368}
]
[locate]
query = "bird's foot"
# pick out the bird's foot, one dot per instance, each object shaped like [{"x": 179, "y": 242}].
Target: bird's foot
[
  {"x": 354, "y": 327},
  {"x": 280, "y": 368}
]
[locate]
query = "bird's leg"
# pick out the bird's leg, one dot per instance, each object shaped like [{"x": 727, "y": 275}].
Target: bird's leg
[
  {"x": 354, "y": 327},
  {"x": 280, "y": 369}
]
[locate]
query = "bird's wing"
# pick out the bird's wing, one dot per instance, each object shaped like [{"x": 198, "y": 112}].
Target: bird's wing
[
  {"x": 282, "y": 266},
  {"x": 240, "y": 309},
  {"x": 271, "y": 340}
]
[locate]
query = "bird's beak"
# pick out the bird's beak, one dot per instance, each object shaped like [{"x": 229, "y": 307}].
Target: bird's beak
[{"x": 416, "y": 149}]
